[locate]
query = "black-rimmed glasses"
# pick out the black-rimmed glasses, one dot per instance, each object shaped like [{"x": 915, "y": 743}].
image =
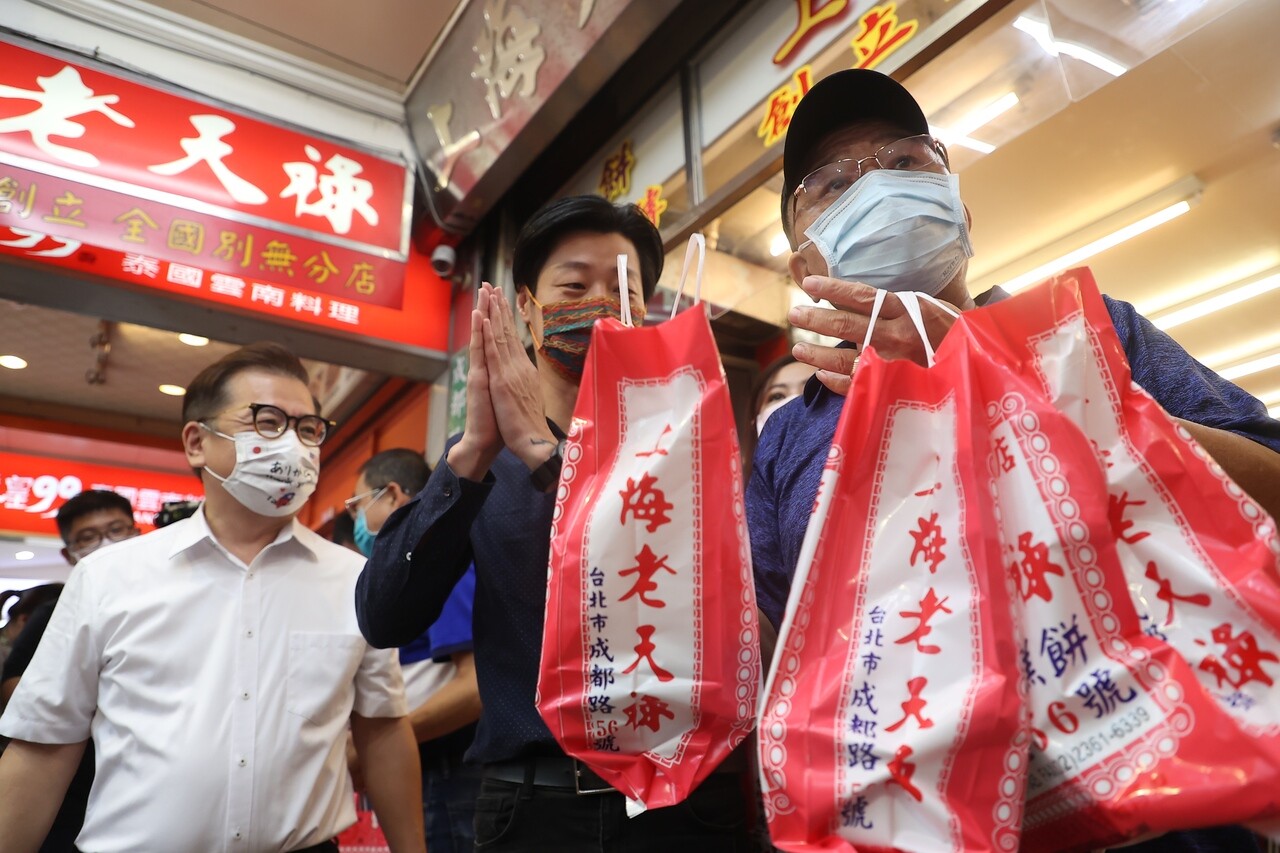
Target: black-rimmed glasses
[{"x": 271, "y": 422}]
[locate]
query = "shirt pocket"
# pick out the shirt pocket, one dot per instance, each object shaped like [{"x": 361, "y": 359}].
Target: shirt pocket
[{"x": 321, "y": 681}]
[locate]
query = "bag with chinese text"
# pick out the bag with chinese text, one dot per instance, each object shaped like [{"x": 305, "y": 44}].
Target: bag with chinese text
[
  {"x": 892, "y": 718},
  {"x": 1199, "y": 624},
  {"x": 650, "y": 653}
]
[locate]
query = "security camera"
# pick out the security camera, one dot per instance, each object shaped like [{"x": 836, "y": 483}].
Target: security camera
[{"x": 443, "y": 257}]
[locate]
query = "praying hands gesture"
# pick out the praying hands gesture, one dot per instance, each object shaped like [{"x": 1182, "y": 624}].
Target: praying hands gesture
[
  {"x": 895, "y": 336},
  {"x": 504, "y": 395}
]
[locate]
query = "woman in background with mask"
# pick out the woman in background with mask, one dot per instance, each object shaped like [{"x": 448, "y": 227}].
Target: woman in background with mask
[{"x": 778, "y": 384}]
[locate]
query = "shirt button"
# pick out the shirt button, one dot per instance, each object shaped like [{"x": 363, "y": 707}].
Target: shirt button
[
  {"x": 249, "y": 576},
  {"x": 244, "y": 695},
  {"x": 236, "y": 835},
  {"x": 248, "y": 633},
  {"x": 448, "y": 491},
  {"x": 408, "y": 556},
  {"x": 242, "y": 764}
]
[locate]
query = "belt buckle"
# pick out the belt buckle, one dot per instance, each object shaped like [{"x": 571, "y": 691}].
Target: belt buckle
[{"x": 577, "y": 781}]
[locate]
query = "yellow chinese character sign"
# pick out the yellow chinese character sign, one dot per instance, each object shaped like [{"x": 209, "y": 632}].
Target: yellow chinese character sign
[
  {"x": 881, "y": 35},
  {"x": 615, "y": 178},
  {"x": 812, "y": 15},
  {"x": 782, "y": 104},
  {"x": 653, "y": 205}
]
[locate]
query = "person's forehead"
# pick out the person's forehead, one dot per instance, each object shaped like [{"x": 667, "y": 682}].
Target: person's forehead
[
  {"x": 275, "y": 389},
  {"x": 586, "y": 251},
  {"x": 860, "y": 139},
  {"x": 99, "y": 520},
  {"x": 795, "y": 373},
  {"x": 362, "y": 484}
]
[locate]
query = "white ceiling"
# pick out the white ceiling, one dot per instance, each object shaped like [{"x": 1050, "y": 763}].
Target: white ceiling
[{"x": 383, "y": 42}]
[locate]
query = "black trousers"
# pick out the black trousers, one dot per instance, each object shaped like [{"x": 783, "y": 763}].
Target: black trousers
[{"x": 515, "y": 817}]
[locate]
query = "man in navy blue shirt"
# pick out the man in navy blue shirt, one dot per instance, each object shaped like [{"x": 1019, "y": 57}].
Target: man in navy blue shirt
[
  {"x": 903, "y": 227},
  {"x": 490, "y": 502},
  {"x": 439, "y": 667}
]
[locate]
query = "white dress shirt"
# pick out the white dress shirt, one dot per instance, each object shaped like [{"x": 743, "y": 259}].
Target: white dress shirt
[{"x": 217, "y": 694}]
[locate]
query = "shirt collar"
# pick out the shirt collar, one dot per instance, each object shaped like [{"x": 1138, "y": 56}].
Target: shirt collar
[{"x": 193, "y": 530}]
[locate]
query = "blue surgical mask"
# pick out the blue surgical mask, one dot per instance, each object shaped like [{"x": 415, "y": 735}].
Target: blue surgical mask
[
  {"x": 363, "y": 535},
  {"x": 895, "y": 230}
]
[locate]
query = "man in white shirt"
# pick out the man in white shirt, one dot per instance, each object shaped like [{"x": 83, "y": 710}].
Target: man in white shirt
[{"x": 216, "y": 662}]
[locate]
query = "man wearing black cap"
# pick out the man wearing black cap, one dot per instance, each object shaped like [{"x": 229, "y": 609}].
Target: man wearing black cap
[{"x": 869, "y": 203}]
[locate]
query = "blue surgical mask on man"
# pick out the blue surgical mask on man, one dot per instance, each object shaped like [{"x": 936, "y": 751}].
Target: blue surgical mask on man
[
  {"x": 363, "y": 535},
  {"x": 895, "y": 230}
]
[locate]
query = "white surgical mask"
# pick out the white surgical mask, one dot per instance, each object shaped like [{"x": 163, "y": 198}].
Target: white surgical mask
[
  {"x": 895, "y": 230},
  {"x": 769, "y": 410},
  {"x": 272, "y": 476}
]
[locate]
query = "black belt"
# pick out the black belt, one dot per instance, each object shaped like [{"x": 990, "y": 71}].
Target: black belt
[
  {"x": 329, "y": 846},
  {"x": 561, "y": 771},
  {"x": 558, "y": 771}
]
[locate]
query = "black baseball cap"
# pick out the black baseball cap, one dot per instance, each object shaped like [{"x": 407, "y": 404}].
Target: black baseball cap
[{"x": 852, "y": 95}]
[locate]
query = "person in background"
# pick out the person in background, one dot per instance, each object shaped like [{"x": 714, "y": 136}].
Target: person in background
[
  {"x": 216, "y": 662},
  {"x": 86, "y": 522},
  {"x": 25, "y": 602},
  {"x": 869, "y": 202},
  {"x": 344, "y": 532},
  {"x": 490, "y": 501},
  {"x": 439, "y": 667},
  {"x": 779, "y": 383}
]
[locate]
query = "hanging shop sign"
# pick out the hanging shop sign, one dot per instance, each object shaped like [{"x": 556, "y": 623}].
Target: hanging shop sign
[
  {"x": 503, "y": 83},
  {"x": 32, "y": 488},
  {"x": 69, "y": 120},
  {"x": 104, "y": 175}
]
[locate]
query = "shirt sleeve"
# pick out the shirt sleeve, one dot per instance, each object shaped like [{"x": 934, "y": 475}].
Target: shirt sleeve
[
  {"x": 451, "y": 633},
  {"x": 773, "y": 580},
  {"x": 380, "y": 685},
  {"x": 1184, "y": 387},
  {"x": 58, "y": 694},
  {"x": 421, "y": 552}
]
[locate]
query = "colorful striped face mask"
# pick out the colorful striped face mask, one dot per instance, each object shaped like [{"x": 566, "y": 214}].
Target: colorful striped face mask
[{"x": 566, "y": 330}]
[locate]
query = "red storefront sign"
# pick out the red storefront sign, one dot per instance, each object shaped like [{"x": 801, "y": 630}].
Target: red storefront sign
[
  {"x": 109, "y": 177},
  {"x": 201, "y": 250},
  {"x": 71, "y": 120},
  {"x": 422, "y": 320},
  {"x": 32, "y": 488}
]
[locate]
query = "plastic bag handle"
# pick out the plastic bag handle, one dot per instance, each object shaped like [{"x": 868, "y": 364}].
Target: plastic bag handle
[
  {"x": 946, "y": 309},
  {"x": 699, "y": 242},
  {"x": 911, "y": 303},
  {"x": 871, "y": 324},
  {"x": 624, "y": 291}
]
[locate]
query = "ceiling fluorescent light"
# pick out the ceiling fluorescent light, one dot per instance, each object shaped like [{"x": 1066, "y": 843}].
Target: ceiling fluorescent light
[
  {"x": 1271, "y": 397},
  {"x": 1224, "y": 298},
  {"x": 958, "y": 133},
  {"x": 1110, "y": 231},
  {"x": 1247, "y": 368},
  {"x": 1274, "y": 411},
  {"x": 1044, "y": 37}
]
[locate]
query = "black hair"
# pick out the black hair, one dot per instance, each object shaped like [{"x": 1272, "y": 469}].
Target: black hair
[
  {"x": 344, "y": 529},
  {"x": 87, "y": 503},
  {"x": 207, "y": 393},
  {"x": 592, "y": 214},
  {"x": 30, "y": 598},
  {"x": 402, "y": 466}
]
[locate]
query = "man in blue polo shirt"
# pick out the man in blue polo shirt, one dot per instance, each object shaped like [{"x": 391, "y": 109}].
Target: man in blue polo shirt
[
  {"x": 439, "y": 667},
  {"x": 869, "y": 203}
]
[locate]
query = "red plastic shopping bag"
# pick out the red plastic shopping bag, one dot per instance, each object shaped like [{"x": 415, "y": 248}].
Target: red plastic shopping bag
[
  {"x": 650, "y": 654},
  {"x": 365, "y": 835},
  {"x": 892, "y": 718},
  {"x": 1198, "y": 558}
]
